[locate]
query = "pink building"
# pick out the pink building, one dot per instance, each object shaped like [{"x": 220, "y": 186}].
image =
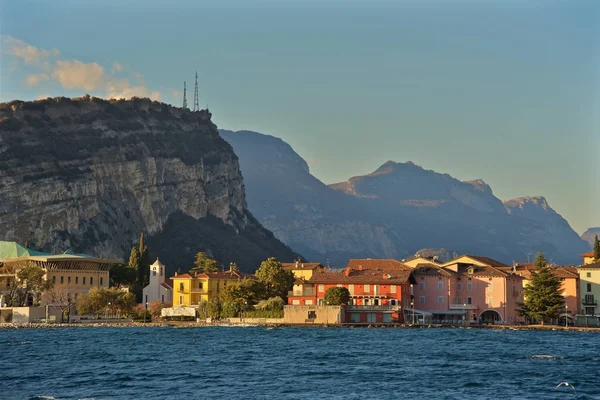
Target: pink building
[{"x": 467, "y": 289}]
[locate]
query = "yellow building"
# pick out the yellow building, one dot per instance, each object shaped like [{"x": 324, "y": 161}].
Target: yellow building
[
  {"x": 190, "y": 290},
  {"x": 589, "y": 278},
  {"x": 303, "y": 270},
  {"x": 588, "y": 258},
  {"x": 71, "y": 274},
  {"x": 415, "y": 261}
]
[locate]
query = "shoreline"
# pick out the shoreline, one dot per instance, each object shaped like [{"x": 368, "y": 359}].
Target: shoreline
[{"x": 191, "y": 324}]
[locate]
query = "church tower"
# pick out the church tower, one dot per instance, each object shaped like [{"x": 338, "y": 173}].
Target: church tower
[{"x": 158, "y": 289}]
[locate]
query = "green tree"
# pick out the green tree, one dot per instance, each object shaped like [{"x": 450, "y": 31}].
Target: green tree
[
  {"x": 248, "y": 291},
  {"x": 276, "y": 280},
  {"x": 28, "y": 282},
  {"x": 543, "y": 298},
  {"x": 596, "y": 249},
  {"x": 205, "y": 264},
  {"x": 93, "y": 302},
  {"x": 122, "y": 275},
  {"x": 144, "y": 266},
  {"x": 336, "y": 296}
]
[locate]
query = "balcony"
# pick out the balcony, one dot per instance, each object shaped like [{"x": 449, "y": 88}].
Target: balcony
[
  {"x": 201, "y": 291},
  {"x": 307, "y": 292},
  {"x": 463, "y": 307},
  {"x": 589, "y": 300}
]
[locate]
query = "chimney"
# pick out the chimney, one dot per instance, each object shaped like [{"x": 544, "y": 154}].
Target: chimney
[
  {"x": 347, "y": 271},
  {"x": 360, "y": 267},
  {"x": 297, "y": 263},
  {"x": 175, "y": 273}
]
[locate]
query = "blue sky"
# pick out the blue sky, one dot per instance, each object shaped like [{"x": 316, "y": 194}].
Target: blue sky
[{"x": 507, "y": 91}]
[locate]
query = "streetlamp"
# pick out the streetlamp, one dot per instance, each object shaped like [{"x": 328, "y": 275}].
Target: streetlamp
[
  {"x": 412, "y": 302},
  {"x": 107, "y": 312},
  {"x": 566, "y": 315},
  {"x": 464, "y": 313}
]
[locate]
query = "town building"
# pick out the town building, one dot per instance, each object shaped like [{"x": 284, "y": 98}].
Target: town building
[
  {"x": 417, "y": 260},
  {"x": 589, "y": 279},
  {"x": 191, "y": 289},
  {"x": 303, "y": 291},
  {"x": 71, "y": 274},
  {"x": 377, "y": 288},
  {"x": 159, "y": 288},
  {"x": 588, "y": 258}
]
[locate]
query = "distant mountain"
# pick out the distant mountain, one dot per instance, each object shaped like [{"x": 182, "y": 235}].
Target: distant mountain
[
  {"x": 391, "y": 212},
  {"x": 589, "y": 235}
]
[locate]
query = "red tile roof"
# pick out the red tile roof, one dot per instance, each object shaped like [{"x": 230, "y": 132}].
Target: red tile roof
[
  {"x": 526, "y": 271},
  {"x": 489, "y": 261},
  {"x": 595, "y": 265},
  {"x": 478, "y": 270},
  {"x": 431, "y": 269},
  {"x": 383, "y": 276},
  {"x": 373, "y": 263},
  {"x": 301, "y": 265},
  {"x": 181, "y": 276},
  {"x": 590, "y": 254}
]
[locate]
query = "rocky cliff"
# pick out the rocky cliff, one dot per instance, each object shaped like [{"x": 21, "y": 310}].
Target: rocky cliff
[
  {"x": 590, "y": 234},
  {"x": 390, "y": 213},
  {"x": 89, "y": 175}
]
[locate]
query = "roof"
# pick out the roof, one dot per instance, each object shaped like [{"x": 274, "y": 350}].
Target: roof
[
  {"x": 589, "y": 254},
  {"x": 431, "y": 269},
  {"x": 302, "y": 265},
  {"x": 595, "y": 265},
  {"x": 462, "y": 269},
  {"x": 384, "y": 276},
  {"x": 15, "y": 250},
  {"x": 182, "y": 276},
  {"x": 526, "y": 271},
  {"x": 489, "y": 261},
  {"x": 227, "y": 275},
  {"x": 373, "y": 263},
  {"x": 157, "y": 263}
]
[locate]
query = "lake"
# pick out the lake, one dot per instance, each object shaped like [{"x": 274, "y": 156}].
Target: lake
[{"x": 297, "y": 363}]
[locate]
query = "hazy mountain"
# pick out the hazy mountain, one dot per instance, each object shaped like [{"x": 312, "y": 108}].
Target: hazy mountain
[
  {"x": 590, "y": 234},
  {"x": 391, "y": 212}
]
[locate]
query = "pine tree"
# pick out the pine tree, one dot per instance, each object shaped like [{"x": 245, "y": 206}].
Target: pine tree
[
  {"x": 596, "y": 249},
  {"x": 144, "y": 264},
  {"x": 543, "y": 298}
]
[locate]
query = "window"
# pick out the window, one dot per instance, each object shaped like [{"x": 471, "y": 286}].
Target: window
[
  {"x": 181, "y": 287},
  {"x": 469, "y": 300},
  {"x": 588, "y": 274},
  {"x": 393, "y": 288},
  {"x": 440, "y": 300},
  {"x": 589, "y": 287},
  {"x": 371, "y": 317},
  {"x": 62, "y": 280},
  {"x": 367, "y": 288},
  {"x": 376, "y": 302},
  {"x": 393, "y": 302},
  {"x": 312, "y": 315},
  {"x": 101, "y": 281},
  {"x": 68, "y": 279},
  {"x": 161, "y": 271},
  {"x": 54, "y": 279},
  {"x": 351, "y": 289},
  {"x": 490, "y": 301},
  {"x": 310, "y": 302},
  {"x": 469, "y": 286},
  {"x": 440, "y": 285},
  {"x": 422, "y": 300},
  {"x": 153, "y": 271},
  {"x": 83, "y": 280},
  {"x": 180, "y": 299},
  {"x": 77, "y": 280},
  {"x": 458, "y": 300},
  {"x": 295, "y": 302},
  {"x": 490, "y": 286},
  {"x": 199, "y": 285},
  {"x": 422, "y": 285},
  {"x": 321, "y": 287},
  {"x": 91, "y": 280},
  {"x": 459, "y": 287},
  {"x": 355, "y": 317}
]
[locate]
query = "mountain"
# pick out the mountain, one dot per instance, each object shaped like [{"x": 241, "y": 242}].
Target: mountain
[
  {"x": 89, "y": 175},
  {"x": 590, "y": 234},
  {"x": 391, "y": 212}
]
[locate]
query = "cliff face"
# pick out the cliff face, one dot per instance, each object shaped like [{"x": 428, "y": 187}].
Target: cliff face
[
  {"x": 390, "y": 213},
  {"x": 590, "y": 235},
  {"x": 90, "y": 175}
]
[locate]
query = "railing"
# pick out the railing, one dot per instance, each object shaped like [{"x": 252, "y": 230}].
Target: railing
[
  {"x": 463, "y": 307},
  {"x": 374, "y": 308},
  {"x": 301, "y": 293},
  {"x": 589, "y": 301},
  {"x": 203, "y": 291}
]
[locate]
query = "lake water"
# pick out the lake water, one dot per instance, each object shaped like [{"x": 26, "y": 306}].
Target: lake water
[{"x": 297, "y": 363}]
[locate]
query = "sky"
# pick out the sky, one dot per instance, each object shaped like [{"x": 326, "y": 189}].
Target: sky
[{"x": 505, "y": 91}]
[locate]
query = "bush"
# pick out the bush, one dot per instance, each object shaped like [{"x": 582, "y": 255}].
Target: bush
[
  {"x": 272, "y": 304},
  {"x": 264, "y": 314}
]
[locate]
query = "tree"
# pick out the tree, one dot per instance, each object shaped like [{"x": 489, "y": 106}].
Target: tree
[
  {"x": 336, "y": 296},
  {"x": 248, "y": 291},
  {"x": 144, "y": 266},
  {"x": 543, "y": 298},
  {"x": 277, "y": 281},
  {"x": 155, "y": 308},
  {"x": 596, "y": 249},
  {"x": 93, "y": 302},
  {"x": 26, "y": 283},
  {"x": 63, "y": 300},
  {"x": 205, "y": 264},
  {"x": 106, "y": 300}
]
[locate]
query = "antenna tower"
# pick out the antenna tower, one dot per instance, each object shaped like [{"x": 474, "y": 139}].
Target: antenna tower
[
  {"x": 196, "y": 106},
  {"x": 184, "y": 97}
]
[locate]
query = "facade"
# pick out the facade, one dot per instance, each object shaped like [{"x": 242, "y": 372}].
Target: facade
[
  {"x": 71, "y": 274},
  {"x": 303, "y": 270},
  {"x": 589, "y": 279},
  {"x": 190, "y": 290},
  {"x": 378, "y": 288},
  {"x": 159, "y": 288}
]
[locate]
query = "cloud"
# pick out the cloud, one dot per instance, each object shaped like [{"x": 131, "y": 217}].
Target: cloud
[
  {"x": 20, "y": 49},
  {"x": 78, "y": 75},
  {"x": 34, "y": 80},
  {"x": 116, "y": 67},
  {"x": 122, "y": 89},
  {"x": 42, "y": 96}
]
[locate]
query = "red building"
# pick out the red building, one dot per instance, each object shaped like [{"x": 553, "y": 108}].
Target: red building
[{"x": 378, "y": 290}]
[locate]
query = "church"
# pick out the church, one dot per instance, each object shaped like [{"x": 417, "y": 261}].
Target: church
[{"x": 159, "y": 288}]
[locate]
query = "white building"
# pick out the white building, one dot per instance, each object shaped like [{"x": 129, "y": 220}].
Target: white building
[{"x": 158, "y": 289}]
